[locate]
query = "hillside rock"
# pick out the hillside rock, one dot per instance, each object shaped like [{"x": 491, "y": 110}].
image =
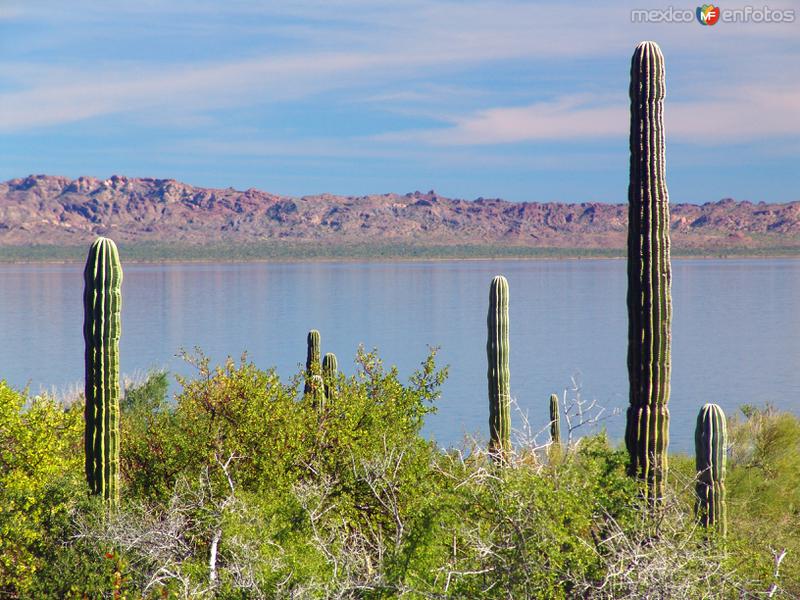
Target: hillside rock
[{"x": 42, "y": 209}]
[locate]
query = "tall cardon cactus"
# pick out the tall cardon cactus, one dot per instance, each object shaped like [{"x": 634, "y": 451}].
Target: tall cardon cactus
[
  {"x": 498, "y": 373},
  {"x": 313, "y": 354},
  {"x": 102, "y": 301},
  {"x": 330, "y": 370},
  {"x": 710, "y": 444},
  {"x": 649, "y": 275},
  {"x": 555, "y": 421}
]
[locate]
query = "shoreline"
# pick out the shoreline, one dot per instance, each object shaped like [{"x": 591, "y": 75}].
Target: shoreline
[
  {"x": 378, "y": 260},
  {"x": 217, "y": 255}
]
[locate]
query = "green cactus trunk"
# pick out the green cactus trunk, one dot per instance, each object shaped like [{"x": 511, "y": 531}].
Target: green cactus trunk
[
  {"x": 649, "y": 275},
  {"x": 102, "y": 301},
  {"x": 330, "y": 370},
  {"x": 710, "y": 444},
  {"x": 313, "y": 355},
  {"x": 317, "y": 392},
  {"x": 498, "y": 373},
  {"x": 555, "y": 421}
]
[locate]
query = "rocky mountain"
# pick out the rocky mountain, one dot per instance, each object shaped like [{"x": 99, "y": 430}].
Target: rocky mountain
[{"x": 42, "y": 209}]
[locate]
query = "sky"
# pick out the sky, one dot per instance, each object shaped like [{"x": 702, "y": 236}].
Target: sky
[{"x": 526, "y": 101}]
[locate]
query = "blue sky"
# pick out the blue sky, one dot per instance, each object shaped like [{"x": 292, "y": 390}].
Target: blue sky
[{"x": 520, "y": 100}]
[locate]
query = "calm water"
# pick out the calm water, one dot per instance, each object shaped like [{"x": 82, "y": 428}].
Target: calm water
[{"x": 735, "y": 328}]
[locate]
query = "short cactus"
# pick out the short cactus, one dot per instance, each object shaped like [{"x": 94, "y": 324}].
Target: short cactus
[
  {"x": 498, "y": 373},
  {"x": 330, "y": 370},
  {"x": 710, "y": 443},
  {"x": 317, "y": 391},
  {"x": 649, "y": 275},
  {"x": 313, "y": 355},
  {"x": 102, "y": 301},
  {"x": 555, "y": 421}
]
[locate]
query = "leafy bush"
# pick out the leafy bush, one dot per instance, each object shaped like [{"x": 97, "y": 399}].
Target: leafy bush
[
  {"x": 764, "y": 494},
  {"x": 242, "y": 488},
  {"x": 148, "y": 395},
  {"x": 41, "y": 464}
]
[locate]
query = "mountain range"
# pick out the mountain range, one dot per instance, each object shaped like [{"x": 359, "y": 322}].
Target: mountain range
[{"x": 59, "y": 211}]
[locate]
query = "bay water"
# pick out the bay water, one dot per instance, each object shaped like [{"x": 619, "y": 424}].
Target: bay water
[{"x": 736, "y": 331}]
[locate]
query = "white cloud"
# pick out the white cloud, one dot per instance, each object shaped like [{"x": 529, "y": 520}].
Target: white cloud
[
  {"x": 747, "y": 113},
  {"x": 568, "y": 117},
  {"x": 186, "y": 89},
  {"x": 369, "y": 48},
  {"x": 375, "y": 43},
  {"x": 735, "y": 115}
]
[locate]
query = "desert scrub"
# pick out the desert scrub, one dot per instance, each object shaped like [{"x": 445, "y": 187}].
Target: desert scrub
[
  {"x": 41, "y": 464},
  {"x": 242, "y": 461},
  {"x": 763, "y": 487},
  {"x": 241, "y": 487},
  {"x": 527, "y": 530},
  {"x": 764, "y": 493}
]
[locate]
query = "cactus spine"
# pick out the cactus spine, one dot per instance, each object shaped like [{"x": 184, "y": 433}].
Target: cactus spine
[
  {"x": 313, "y": 366},
  {"x": 498, "y": 373},
  {"x": 555, "y": 421},
  {"x": 102, "y": 300},
  {"x": 710, "y": 442},
  {"x": 330, "y": 369},
  {"x": 649, "y": 275}
]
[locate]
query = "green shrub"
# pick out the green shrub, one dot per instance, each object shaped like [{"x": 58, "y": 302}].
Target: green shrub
[
  {"x": 82, "y": 569},
  {"x": 41, "y": 475},
  {"x": 764, "y": 494},
  {"x": 149, "y": 395},
  {"x": 241, "y": 487}
]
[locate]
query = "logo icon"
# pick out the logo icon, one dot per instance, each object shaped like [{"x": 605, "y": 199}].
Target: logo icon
[{"x": 708, "y": 14}]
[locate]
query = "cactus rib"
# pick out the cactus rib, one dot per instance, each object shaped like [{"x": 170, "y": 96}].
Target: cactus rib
[
  {"x": 313, "y": 366},
  {"x": 649, "y": 275},
  {"x": 710, "y": 442},
  {"x": 330, "y": 369},
  {"x": 102, "y": 299},
  {"x": 497, "y": 348}
]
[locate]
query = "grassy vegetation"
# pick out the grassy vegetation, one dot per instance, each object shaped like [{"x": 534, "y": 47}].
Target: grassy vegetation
[
  {"x": 241, "y": 488},
  {"x": 286, "y": 251},
  {"x": 295, "y": 251}
]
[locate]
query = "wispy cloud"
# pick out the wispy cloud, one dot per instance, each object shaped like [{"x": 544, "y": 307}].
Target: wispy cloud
[
  {"x": 359, "y": 148},
  {"x": 465, "y": 89},
  {"x": 732, "y": 115},
  {"x": 568, "y": 117},
  {"x": 377, "y": 45},
  {"x": 738, "y": 114},
  {"x": 374, "y": 43},
  {"x": 191, "y": 88}
]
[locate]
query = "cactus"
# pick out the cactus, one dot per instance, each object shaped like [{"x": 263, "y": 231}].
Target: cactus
[
  {"x": 555, "y": 421},
  {"x": 710, "y": 442},
  {"x": 317, "y": 391},
  {"x": 330, "y": 369},
  {"x": 649, "y": 276},
  {"x": 313, "y": 366},
  {"x": 102, "y": 299},
  {"x": 498, "y": 373}
]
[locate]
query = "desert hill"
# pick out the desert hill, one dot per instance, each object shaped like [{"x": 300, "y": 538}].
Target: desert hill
[{"x": 42, "y": 209}]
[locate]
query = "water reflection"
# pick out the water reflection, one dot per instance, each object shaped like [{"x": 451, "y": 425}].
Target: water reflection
[{"x": 734, "y": 336}]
